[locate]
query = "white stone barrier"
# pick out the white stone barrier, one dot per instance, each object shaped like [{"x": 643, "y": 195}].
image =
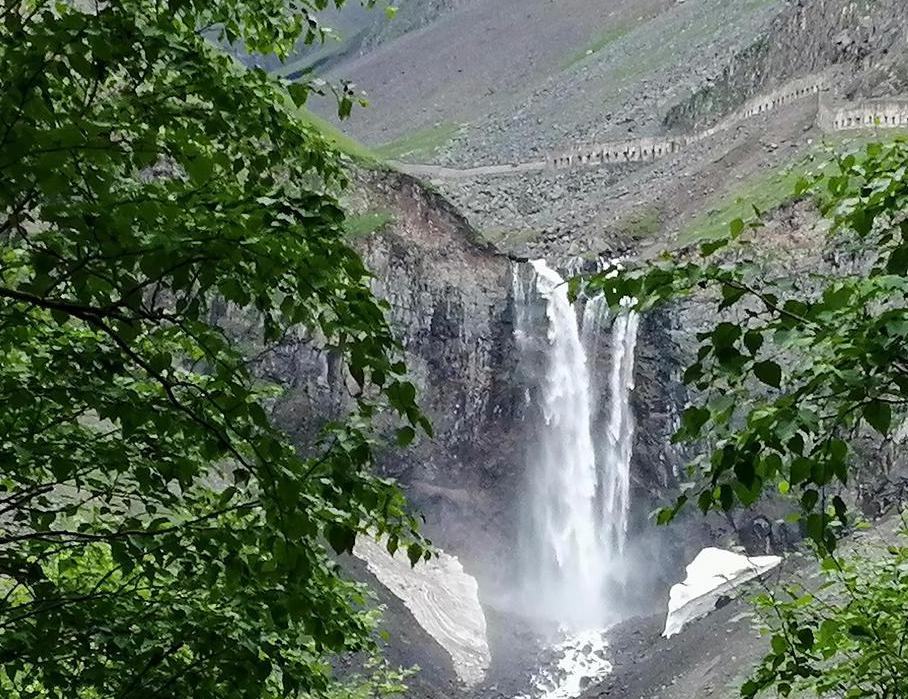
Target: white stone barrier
[
  {"x": 647, "y": 149},
  {"x": 882, "y": 113}
]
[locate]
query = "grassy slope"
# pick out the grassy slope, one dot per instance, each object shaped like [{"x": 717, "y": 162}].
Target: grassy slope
[
  {"x": 772, "y": 189},
  {"x": 344, "y": 143},
  {"x": 364, "y": 225},
  {"x": 422, "y": 143}
]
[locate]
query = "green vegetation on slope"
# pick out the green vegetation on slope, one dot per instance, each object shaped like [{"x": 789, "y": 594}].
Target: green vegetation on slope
[
  {"x": 364, "y": 225},
  {"x": 507, "y": 238},
  {"x": 641, "y": 224},
  {"x": 344, "y": 143},
  {"x": 766, "y": 191},
  {"x": 771, "y": 189},
  {"x": 422, "y": 143}
]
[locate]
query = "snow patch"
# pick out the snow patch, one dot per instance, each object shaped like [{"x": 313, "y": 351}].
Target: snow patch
[
  {"x": 712, "y": 574},
  {"x": 443, "y": 599}
]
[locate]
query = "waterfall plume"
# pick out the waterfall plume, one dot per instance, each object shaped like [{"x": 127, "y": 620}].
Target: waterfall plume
[{"x": 578, "y": 463}]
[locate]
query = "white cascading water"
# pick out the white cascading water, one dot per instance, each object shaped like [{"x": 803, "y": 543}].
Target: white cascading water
[
  {"x": 566, "y": 573},
  {"x": 579, "y": 473},
  {"x": 579, "y": 476},
  {"x": 614, "y": 474}
]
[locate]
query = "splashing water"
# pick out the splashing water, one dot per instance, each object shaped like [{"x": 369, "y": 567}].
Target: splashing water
[
  {"x": 578, "y": 497},
  {"x": 582, "y": 659}
]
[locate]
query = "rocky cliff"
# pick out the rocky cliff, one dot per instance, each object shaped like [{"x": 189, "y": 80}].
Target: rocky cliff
[
  {"x": 862, "y": 41},
  {"x": 451, "y": 304}
]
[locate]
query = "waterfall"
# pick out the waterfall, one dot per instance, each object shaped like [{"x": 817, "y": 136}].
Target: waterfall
[
  {"x": 578, "y": 474},
  {"x": 615, "y": 472}
]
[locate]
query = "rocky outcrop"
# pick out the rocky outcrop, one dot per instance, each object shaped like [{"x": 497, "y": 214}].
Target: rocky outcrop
[
  {"x": 449, "y": 305},
  {"x": 863, "y": 40}
]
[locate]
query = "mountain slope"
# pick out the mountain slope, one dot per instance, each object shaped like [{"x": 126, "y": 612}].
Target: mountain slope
[{"x": 508, "y": 78}]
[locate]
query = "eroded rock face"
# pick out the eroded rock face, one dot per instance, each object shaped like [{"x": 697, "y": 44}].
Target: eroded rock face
[
  {"x": 864, "y": 41},
  {"x": 450, "y": 307}
]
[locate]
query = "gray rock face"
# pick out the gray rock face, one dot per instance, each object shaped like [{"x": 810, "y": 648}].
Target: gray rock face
[
  {"x": 449, "y": 298},
  {"x": 865, "y": 40},
  {"x": 451, "y": 305}
]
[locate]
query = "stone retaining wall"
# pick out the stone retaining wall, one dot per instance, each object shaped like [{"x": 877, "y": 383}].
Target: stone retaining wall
[
  {"x": 795, "y": 90},
  {"x": 637, "y": 150},
  {"x": 883, "y": 113},
  {"x": 647, "y": 149}
]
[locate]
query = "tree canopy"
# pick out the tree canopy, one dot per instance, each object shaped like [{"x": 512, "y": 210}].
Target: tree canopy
[{"x": 159, "y": 536}]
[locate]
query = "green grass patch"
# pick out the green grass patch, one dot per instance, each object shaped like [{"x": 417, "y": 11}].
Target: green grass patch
[
  {"x": 641, "y": 224},
  {"x": 599, "y": 42},
  {"x": 766, "y": 191},
  {"x": 504, "y": 238},
  {"x": 422, "y": 143},
  {"x": 775, "y": 188},
  {"x": 364, "y": 225},
  {"x": 344, "y": 143}
]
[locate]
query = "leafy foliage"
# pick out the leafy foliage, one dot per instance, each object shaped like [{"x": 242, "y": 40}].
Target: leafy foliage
[
  {"x": 793, "y": 372},
  {"x": 158, "y": 535},
  {"x": 798, "y": 365},
  {"x": 847, "y": 639}
]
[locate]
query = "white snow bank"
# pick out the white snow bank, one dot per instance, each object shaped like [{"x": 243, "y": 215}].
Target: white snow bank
[
  {"x": 442, "y": 598},
  {"x": 713, "y": 573}
]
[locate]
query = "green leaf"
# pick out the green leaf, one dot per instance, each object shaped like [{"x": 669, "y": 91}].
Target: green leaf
[
  {"x": 745, "y": 471},
  {"x": 769, "y": 373},
  {"x": 809, "y": 500},
  {"x": 801, "y": 469},
  {"x": 753, "y": 341},
  {"x": 879, "y": 416},
  {"x": 726, "y": 497},
  {"x": 414, "y": 553},
  {"x": 730, "y": 296},
  {"x": 712, "y": 246},
  {"x": 665, "y": 515},
  {"x": 779, "y": 644},
  {"x": 725, "y": 335},
  {"x": 898, "y": 261},
  {"x": 693, "y": 419},
  {"x": 405, "y": 435},
  {"x": 341, "y": 539}
]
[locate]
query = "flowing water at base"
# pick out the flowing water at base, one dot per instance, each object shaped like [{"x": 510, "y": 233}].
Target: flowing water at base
[{"x": 580, "y": 660}]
